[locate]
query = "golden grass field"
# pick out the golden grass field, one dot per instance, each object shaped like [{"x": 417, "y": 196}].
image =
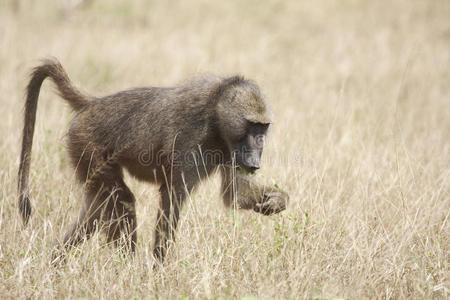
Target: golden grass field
[{"x": 360, "y": 92}]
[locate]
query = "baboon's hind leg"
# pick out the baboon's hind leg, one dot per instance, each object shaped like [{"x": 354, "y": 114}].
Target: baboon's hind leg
[
  {"x": 96, "y": 196},
  {"x": 86, "y": 223},
  {"x": 107, "y": 200},
  {"x": 120, "y": 217}
]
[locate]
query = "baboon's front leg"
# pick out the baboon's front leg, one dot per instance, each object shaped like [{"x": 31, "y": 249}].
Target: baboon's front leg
[
  {"x": 240, "y": 191},
  {"x": 167, "y": 220}
]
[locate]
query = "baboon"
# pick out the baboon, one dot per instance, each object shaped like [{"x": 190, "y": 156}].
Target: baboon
[{"x": 171, "y": 136}]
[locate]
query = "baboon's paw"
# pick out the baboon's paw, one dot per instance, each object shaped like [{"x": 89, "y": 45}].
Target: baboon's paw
[{"x": 273, "y": 202}]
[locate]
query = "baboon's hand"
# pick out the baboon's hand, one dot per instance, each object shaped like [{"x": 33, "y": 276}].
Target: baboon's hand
[{"x": 273, "y": 202}]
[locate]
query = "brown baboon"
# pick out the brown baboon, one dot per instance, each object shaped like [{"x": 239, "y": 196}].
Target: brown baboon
[{"x": 171, "y": 136}]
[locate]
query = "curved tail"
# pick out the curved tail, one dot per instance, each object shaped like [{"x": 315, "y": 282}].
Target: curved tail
[{"x": 77, "y": 100}]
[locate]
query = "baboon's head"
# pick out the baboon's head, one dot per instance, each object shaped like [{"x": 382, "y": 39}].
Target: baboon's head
[{"x": 243, "y": 120}]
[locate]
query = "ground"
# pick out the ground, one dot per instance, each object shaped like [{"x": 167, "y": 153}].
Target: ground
[{"x": 360, "y": 92}]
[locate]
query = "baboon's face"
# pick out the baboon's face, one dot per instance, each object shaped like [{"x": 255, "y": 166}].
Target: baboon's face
[
  {"x": 243, "y": 121},
  {"x": 248, "y": 148}
]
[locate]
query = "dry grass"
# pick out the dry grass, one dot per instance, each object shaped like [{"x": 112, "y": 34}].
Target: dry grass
[{"x": 361, "y": 96}]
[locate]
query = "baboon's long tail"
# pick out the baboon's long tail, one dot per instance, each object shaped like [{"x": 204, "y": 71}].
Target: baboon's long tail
[{"x": 77, "y": 100}]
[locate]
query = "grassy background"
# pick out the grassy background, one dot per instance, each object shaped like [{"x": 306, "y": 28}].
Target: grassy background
[{"x": 361, "y": 96}]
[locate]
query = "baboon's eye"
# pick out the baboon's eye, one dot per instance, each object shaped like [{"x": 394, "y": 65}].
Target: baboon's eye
[
  {"x": 257, "y": 127},
  {"x": 264, "y": 126}
]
